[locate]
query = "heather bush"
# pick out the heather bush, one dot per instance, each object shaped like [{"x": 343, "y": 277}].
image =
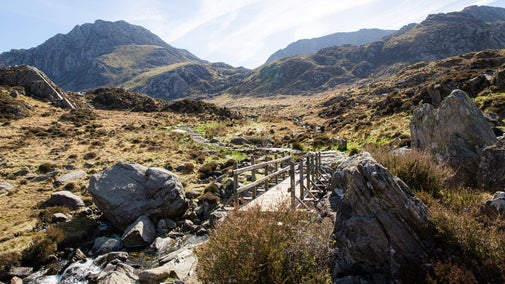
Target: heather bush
[{"x": 267, "y": 247}]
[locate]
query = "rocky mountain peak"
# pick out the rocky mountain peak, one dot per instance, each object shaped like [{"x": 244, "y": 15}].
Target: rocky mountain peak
[{"x": 74, "y": 60}]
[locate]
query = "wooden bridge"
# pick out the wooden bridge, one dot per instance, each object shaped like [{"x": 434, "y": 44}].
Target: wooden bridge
[{"x": 283, "y": 180}]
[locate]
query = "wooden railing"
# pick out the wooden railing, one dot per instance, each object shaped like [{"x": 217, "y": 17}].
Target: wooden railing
[
  {"x": 312, "y": 181},
  {"x": 255, "y": 183}
]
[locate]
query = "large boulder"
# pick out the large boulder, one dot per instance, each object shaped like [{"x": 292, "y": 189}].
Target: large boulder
[
  {"x": 492, "y": 166},
  {"x": 36, "y": 84},
  {"x": 127, "y": 191},
  {"x": 456, "y": 132},
  {"x": 378, "y": 222}
]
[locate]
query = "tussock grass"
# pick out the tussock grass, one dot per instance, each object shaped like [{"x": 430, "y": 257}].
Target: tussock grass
[{"x": 275, "y": 247}]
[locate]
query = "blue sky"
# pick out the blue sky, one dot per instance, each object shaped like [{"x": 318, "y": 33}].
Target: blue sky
[{"x": 237, "y": 32}]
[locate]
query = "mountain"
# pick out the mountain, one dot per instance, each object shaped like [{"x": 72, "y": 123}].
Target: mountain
[
  {"x": 99, "y": 54},
  {"x": 438, "y": 36},
  {"x": 308, "y": 46}
]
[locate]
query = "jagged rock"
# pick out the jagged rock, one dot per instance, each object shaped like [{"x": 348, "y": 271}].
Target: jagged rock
[
  {"x": 127, "y": 191},
  {"x": 104, "y": 245},
  {"x": 36, "y": 84},
  {"x": 64, "y": 198},
  {"x": 69, "y": 177},
  {"x": 141, "y": 233},
  {"x": 378, "y": 220},
  {"x": 492, "y": 166},
  {"x": 6, "y": 186},
  {"x": 119, "y": 273},
  {"x": 456, "y": 132}
]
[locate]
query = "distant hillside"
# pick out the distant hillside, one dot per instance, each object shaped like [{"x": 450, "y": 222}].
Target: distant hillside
[
  {"x": 308, "y": 46},
  {"x": 439, "y": 36},
  {"x": 99, "y": 54}
]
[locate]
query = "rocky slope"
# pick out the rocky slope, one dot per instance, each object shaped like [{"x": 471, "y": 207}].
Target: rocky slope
[
  {"x": 99, "y": 54},
  {"x": 439, "y": 36},
  {"x": 308, "y": 46}
]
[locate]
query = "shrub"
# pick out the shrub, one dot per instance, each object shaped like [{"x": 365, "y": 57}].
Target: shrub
[
  {"x": 418, "y": 170},
  {"x": 267, "y": 247},
  {"x": 207, "y": 169},
  {"x": 297, "y": 146}
]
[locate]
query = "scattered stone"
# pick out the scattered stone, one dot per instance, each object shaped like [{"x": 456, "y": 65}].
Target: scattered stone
[
  {"x": 20, "y": 271},
  {"x": 377, "y": 221},
  {"x": 116, "y": 273},
  {"x": 239, "y": 141},
  {"x": 162, "y": 244},
  {"x": 181, "y": 264},
  {"x": 188, "y": 226},
  {"x": 217, "y": 217},
  {"x": 141, "y": 233},
  {"x": 456, "y": 132},
  {"x": 104, "y": 245},
  {"x": 107, "y": 258},
  {"x": 44, "y": 177},
  {"x": 492, "y": 167},
  {"x": 6, "y": 186},
  {"x": 127, "y": 191},
  {"x": 64, "y": 198},
  {"x": 22, "y": 172},
  {"x": 498, "y": 202},
  {"x": 88, "y": 164},
  {"x": 164, "y": 226},
  {"x": 16, "y": 280},
  {"x": 60, "y": 217},
  {"x": 69, "y": 177}
]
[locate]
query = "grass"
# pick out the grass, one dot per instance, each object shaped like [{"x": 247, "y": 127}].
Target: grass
[{"x": 276, "y": 247}]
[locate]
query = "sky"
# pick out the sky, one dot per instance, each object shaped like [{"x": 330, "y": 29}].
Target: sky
[{"x": 237, "y": 32}]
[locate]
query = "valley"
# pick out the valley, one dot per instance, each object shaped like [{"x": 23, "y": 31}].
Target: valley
[{"x": 418, "y": 117}]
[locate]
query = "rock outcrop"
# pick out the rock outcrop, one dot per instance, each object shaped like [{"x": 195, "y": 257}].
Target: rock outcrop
[
  {"x": 378, "y": 222},
  {"x": 36, "y": 84},
  {"x": 127, "y": 191},
  {"x": 492, "y": 166},
  {"x": 456, "y": 132}
]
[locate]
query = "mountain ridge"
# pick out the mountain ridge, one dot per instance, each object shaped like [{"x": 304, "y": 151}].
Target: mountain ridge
[{"x": 308, "y": 46}]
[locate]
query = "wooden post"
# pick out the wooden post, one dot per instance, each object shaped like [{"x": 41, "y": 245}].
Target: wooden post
[
  {"x": 276, "y": 169},
  {"x": 292, "y": 188},
  {"x": 253, "y": 178},
  {"x": 300, "y": 167},
  {"x": 266, "y": 174},
  {"x": 309, "y": 173},
  {"x": 235, "y": 185}
]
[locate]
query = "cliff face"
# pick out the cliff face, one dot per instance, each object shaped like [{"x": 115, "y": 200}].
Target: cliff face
[{"x": 98, "y": 54}]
